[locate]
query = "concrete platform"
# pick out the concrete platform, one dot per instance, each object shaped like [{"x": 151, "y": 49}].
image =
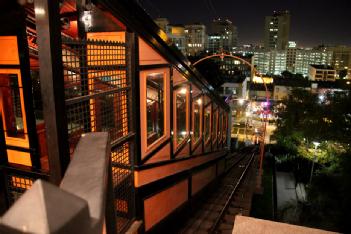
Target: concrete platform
[{"x": 248, "y": 225}]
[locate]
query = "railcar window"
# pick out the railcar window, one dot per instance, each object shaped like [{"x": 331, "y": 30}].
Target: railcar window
[
  {"x": 214, "y": 125},
  {"x": 220, "y": 127},
  {"x": 225, "y": 126},
  {"x": 11, "y": 103},
  {"x": 155, "y": 107},
  {"x": 207, "y": 123},
  {"x": 196, "y": 119},
  {"x": 181, "y": 114}
]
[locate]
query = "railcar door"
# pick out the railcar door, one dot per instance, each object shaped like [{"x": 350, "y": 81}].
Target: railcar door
[
  {"x": 13, "y": 105},
  {"x": 13, "y": 115}
]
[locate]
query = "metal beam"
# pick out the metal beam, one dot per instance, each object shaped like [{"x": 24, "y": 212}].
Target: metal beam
[{"x": 52, "y": 85}]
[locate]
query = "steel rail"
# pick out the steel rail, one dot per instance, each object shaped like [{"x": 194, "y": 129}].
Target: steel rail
[{"x": 229, "y": 201}]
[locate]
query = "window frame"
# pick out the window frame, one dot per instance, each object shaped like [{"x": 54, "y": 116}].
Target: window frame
[
  {"x": 145, "y": 148},
  {"x": 175, "y": 127},
  {"x": 158, "y": 122},
  {"x": 208, "y": 139},
  {"x": 11, "y": 140},
  {"x": 225, "y": 127},
  {"x": 194, "y": 141},
  {"x": 220, "y": 125},
  {"x": 214, "y": 120}
]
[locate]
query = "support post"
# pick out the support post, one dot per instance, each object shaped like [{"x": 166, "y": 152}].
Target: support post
[
  {"x": 52, "y": 86},
  {"x": 133, "y": 73}
]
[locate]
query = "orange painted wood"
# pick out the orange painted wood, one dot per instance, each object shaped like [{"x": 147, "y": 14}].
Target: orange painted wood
[
  {"x": 9, "y": 50},
  {"x": 202, "y": 178},
  {"x": 162, "y": 204},
  {"x": 152, "y": 174},
  {"x": 148, "y": 55}
]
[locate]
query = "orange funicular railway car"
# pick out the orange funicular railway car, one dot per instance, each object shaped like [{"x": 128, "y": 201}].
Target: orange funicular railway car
[{"x": 71, "y": 67}]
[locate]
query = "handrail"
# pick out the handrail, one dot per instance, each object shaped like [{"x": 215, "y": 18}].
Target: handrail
[{"x": 81, "y": 203}]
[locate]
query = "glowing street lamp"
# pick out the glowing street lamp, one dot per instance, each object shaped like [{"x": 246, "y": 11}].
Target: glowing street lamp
[
  {"x": 321, "y": 98},
  {"x": 316, "y": 144},
  {"x": 241, "y": 101}
]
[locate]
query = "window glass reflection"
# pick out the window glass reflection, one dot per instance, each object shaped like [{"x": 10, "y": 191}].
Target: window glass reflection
[
  {"x": 155, "y": 107},
  {"x": 181, "y": 114},
  {"x": 225, "y": 126},
  {"x": 220, "y": 127},
  {"x": 196, "y": 119},
  {"x": 214, "y": 125},
  {"x": 207, "y": 123}
]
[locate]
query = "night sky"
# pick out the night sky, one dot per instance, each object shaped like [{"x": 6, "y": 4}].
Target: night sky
[{"x": 313, "y": 22}]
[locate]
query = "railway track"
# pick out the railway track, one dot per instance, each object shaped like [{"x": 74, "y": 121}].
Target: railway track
[{"x": 216, "y": 212}]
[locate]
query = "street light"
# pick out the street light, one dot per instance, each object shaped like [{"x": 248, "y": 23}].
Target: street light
[
  {"x": 316, "y": 144},
  {"x": 241, "y": 101}
]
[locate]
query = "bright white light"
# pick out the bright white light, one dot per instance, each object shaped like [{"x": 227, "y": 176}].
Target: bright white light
[
  {"x": 199, "y": 101},
  {"x": 183, "y": 91},
  {"x": 183, "y": 133},
  {"x": 316, "y": 144},
  {"x": 321, "y": 97},
  {"x": 241, "y": 101},
  {"x": 39, "y": 11},
  {"x": 87, "y": 19}
]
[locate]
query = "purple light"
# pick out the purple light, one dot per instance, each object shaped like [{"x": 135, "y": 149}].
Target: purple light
[{"x": 265, "y": 104}]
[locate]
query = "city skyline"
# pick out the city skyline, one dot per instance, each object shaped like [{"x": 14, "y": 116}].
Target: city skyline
[{"x": 312, "y": 23}]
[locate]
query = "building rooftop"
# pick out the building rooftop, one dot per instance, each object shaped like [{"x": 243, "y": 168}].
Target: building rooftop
[
  {"x": 326, "y": 67},
  {"x": 292, "y": 82},
  {"x": 337, "y": 84}
]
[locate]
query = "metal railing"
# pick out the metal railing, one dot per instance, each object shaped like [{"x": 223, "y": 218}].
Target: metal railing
[
  {"x": 97, "y": 98},
  {"x": 82, "y": 203},
  {"x": 18, "y": 180}
]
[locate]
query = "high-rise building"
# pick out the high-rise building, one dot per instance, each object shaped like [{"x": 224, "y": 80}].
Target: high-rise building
[
  {"x": 261, "y": 60},
  {"x": 270, "y": 61},
  {"x": 277, "y": 28},
  {"x": 195, "y": 38},
  {"x": 341, "y": 60},
  {"x": 291, "y": 56},
  {"x": 176, "y": 34},
  {"x": 222, "y": 36},
  {"x": 306, "y": 57}
]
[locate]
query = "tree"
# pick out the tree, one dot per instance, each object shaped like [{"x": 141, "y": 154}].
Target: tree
[
  {"x": 305, "y": 118},
  {"x": 343, "y": 73},
  {"x": 316, "y": 119},
  {"x": 287, "y": 75}
]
